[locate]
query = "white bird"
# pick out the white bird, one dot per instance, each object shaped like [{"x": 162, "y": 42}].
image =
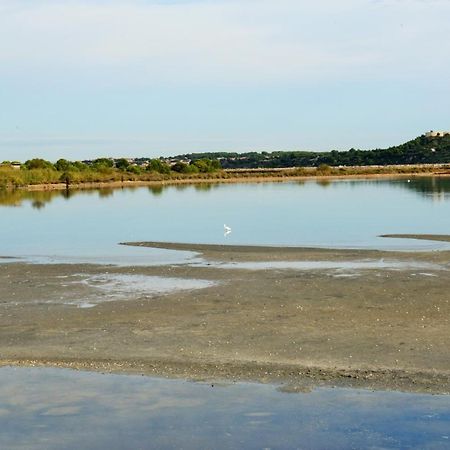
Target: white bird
[{"x": 226, "y": 229}]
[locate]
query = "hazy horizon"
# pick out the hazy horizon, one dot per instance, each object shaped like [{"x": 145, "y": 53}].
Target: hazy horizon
[
  {"x": 150, "y": 154},
  {"x": 83, "y": 79}
]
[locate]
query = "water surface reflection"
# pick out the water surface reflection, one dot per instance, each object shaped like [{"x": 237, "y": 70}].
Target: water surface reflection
[
  {"x": 87, "y": 225},
  {"x": 432, "y": 187},
  {"x": 54, "y": 409}
]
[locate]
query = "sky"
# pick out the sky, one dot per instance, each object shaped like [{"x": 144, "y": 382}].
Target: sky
[{"x": 82, "y": 79}]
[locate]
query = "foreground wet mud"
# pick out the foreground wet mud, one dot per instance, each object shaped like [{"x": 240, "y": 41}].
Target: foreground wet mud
[{"x": 385, "y": 326}]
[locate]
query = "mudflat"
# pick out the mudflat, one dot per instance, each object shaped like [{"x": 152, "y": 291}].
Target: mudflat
[{"x": 299, "y": 317}]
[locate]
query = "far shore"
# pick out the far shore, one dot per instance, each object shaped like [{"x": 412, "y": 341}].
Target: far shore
[{"x": 255, "y": 176}]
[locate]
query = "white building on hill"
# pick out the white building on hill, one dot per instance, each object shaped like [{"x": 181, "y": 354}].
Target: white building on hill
[{"x": 436, "y": 133}]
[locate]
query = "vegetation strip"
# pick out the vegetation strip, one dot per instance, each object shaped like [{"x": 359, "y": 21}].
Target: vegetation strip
[{"x": 426, "y": 154}]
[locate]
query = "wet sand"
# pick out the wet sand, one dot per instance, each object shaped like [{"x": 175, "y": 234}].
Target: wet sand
[
  {"x": 380, "y": 328},
  {"x": 423, "y": 237}
]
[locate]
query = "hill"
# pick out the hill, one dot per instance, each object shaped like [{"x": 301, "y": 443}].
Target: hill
[{"x": 421, "y": 150}]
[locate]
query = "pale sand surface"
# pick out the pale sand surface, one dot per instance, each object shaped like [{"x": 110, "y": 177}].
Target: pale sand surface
[
  {"x": 424, "y": 237},
  {"x": 375, "y": 328}
]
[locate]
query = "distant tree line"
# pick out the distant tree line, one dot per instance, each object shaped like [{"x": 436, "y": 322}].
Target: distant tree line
[
  {"x": 422, "y": 150},
  {"x": 201, "y": 165},
  {"x": 41, "y": 171}
]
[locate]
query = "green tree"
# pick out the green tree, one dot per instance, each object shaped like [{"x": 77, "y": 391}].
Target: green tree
[
  {"x": 180, "y": 167},
  {"x": 191, "y": 168},
  {"x": 134, "y": 169},
  {"x": 66, "y": 177},
  {"x": 122, "y": 164},
  {"x": 103, "y": 163},
  {"x": 215, "y": 164},
  {"x": 62, "y": 165},
  {"x": 78, "y": 165},
  {"x": 38, "y": 163},
  {"x": 203, "y": 165},
  {"x": 156, "y": 165},
  {"x": 206, "y": 165}
]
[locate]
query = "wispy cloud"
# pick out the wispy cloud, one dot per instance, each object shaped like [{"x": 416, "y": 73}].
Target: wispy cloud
[
  {"x": 222, "y": 41},
  {"x": 138, "y": 76}
]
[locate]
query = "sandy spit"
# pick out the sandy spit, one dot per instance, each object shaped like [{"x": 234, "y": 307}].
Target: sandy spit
[
  {"x": 425, "y": 237},
  {"x": 373, "y": 328}
]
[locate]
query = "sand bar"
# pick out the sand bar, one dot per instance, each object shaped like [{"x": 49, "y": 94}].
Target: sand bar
[
  {"x": 424, "y": 237},
  {"x": 376, "y": 328}
]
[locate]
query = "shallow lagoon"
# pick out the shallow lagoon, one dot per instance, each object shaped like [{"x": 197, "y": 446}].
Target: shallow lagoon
[
  {"x": 87, "y": 225},
  {"x": 55, "y": 408},
  {"x": 49, "y": 408}
]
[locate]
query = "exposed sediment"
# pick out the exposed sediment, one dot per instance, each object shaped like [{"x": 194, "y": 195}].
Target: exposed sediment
[
  {"x": 377, "y": 328},
  {"x": 423, "y": 237}
]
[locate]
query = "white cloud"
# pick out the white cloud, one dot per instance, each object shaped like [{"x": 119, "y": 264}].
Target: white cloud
[{"x": 223, "y": 41}]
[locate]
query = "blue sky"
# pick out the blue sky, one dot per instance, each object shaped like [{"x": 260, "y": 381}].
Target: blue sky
[{"x": 81, "y": 79}]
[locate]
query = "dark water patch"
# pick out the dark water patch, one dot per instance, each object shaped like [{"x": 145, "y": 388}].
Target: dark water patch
[{"x": 54, "y": 409}]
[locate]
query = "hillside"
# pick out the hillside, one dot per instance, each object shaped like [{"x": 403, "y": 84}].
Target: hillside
[{"x": 421, "y": 150}]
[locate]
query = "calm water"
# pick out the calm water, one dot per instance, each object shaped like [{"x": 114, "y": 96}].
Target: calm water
[
  {"x": 54, "y": 409},
  {"x": 88, "y": 225}
]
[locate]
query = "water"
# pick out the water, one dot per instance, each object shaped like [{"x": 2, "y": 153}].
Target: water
[
  {"x": 88, "y": 225},
  {"x": 54, "y": 409},
  {"x": 112, "y": 287}
]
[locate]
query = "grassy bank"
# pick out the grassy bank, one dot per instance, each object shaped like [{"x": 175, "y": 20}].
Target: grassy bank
[
  {"x": 49, "y": 178},
  {"x": 103, "y": 170}
]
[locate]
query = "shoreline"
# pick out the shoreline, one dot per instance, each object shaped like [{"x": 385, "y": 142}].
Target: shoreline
[
  {"x": 378, "y": 328},
  {"x": 422, "y": 237},
  {"x": 291, "y": 378},
  {"x": 228, "y": 180},
  {"x": 256, "y": 253}
]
